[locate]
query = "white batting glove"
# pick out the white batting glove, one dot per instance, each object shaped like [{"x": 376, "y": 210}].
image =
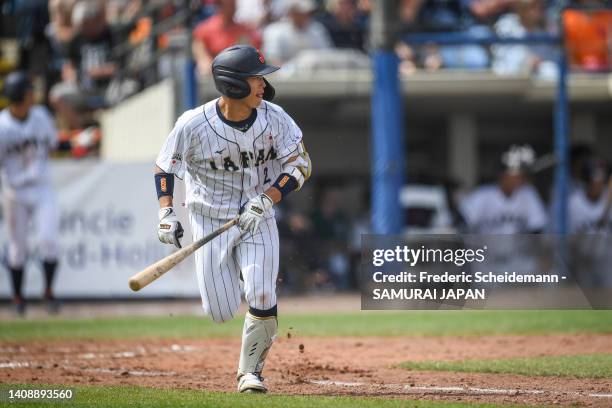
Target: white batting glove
[
  {"x": 253, "y": 212},
  {"x": 169, "y": 229}
]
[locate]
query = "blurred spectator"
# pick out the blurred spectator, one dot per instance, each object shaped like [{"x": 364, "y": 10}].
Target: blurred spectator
[
  {"x": 407, "y": 58},
  {"x": 365, "y": 7},
  {"x": 528, "y": 18},
  {"x": 467, "y": 56},
  {"x": 588, "y": 33},
  {"x": 32, "y": 17},
  {"x": 409, "y": 10},
  {"x": 258, "y": 13},
  {"x": 345, "y": 23},
  {"x": 422, "y": 15},
  {"x": 285, "y": 39},
  {"x": 440, "y": 15},
  {"x": 90, "y": 60},
  {"x": 332, "y": 228},
  {"x": 478, "y": 16},
  {"x": 219, "y": 32},
  {"x": 512, "y": 206},
  {"x": 60, "y": 28},
  {"x": 587, "y": 207},
  {"x": 486, "y": 11},
  {"x": 432, "y": 15},
  {"x": 121, "y": 13},
  {"x": 60, "y": 31},
  {"x": 87, "y": 73},
  {"x": 204, "y": 9}
]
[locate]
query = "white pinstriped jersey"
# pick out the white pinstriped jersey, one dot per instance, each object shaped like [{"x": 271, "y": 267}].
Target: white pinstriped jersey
[
  {"x": 487, "y": 210},
  {"x": 24, "y": 149},
  {"x": 584, "y": 214},
  {"x": 224, "y": 167}
]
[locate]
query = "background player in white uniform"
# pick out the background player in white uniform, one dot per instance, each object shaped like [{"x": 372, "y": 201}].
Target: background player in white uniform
[
  {"x": 587, "y": 210},
  {"x": 239, "y": 155},
  {"x": 590, "y": 224},
  {"x": 27, "y": 135},
  {"x": 511, "y": 206}
]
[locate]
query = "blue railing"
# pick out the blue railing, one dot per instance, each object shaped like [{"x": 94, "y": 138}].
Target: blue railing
[{"x": 469, "y": 38}]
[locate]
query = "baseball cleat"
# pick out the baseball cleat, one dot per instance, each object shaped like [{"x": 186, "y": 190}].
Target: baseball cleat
[{"x": 251, "y": 383}]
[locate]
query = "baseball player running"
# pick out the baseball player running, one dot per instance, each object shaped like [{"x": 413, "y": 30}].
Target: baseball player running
[
  {"x": 27, "y": 135},
  {"x": 239, "y": 155}
]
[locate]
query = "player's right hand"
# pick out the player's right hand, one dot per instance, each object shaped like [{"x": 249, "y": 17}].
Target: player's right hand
[
  {"x": 253, "y": 212},
  {"x": 169, "y": 229}
]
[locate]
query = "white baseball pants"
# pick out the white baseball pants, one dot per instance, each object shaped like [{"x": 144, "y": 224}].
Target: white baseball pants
[
  {"x": 31, "y": 214},
  {"x": 221, "y": 262}
]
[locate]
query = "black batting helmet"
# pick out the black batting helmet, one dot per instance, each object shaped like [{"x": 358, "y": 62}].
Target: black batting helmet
[
  {"x": 234, "y": 65},
  {"x": 15, "y": 86}
]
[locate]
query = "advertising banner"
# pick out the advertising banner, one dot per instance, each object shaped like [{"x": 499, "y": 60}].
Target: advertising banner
[{"x": 108, "y": 232}]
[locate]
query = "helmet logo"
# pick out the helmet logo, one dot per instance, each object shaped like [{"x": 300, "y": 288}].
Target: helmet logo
[{"x": 261, "y": 57}]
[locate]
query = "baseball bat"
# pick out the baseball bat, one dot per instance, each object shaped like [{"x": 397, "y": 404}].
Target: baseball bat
[
  {"x": 154, "y": 271},
  {"x": 543, "y": 163}
]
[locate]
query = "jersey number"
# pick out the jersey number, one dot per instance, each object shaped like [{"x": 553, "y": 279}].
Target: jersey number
[{"x": 266, "y": 178}]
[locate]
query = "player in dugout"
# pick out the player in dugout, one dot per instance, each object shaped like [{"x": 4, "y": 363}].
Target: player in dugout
[{"x": 510, "y": 206}]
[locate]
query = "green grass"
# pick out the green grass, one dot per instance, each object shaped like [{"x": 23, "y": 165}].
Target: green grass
[
  {"x": 419, "y": 323},
  {"x": 149, "y": 397},
  {"x": 581, "y": 366}
]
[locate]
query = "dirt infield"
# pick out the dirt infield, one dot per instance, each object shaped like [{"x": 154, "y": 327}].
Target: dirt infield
[{"x": 356, "y": 366}]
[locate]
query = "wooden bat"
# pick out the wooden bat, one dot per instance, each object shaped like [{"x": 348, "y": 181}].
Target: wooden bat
[
  {"x": 543, "y": 163},
  {"x": 154, "y": 271}
]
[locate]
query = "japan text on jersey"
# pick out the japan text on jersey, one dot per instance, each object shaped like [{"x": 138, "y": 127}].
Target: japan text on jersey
[{"x": 224, "y": 167}]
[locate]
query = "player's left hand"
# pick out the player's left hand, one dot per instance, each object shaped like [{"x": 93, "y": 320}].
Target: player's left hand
[{"x": 253, "y": 212}]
